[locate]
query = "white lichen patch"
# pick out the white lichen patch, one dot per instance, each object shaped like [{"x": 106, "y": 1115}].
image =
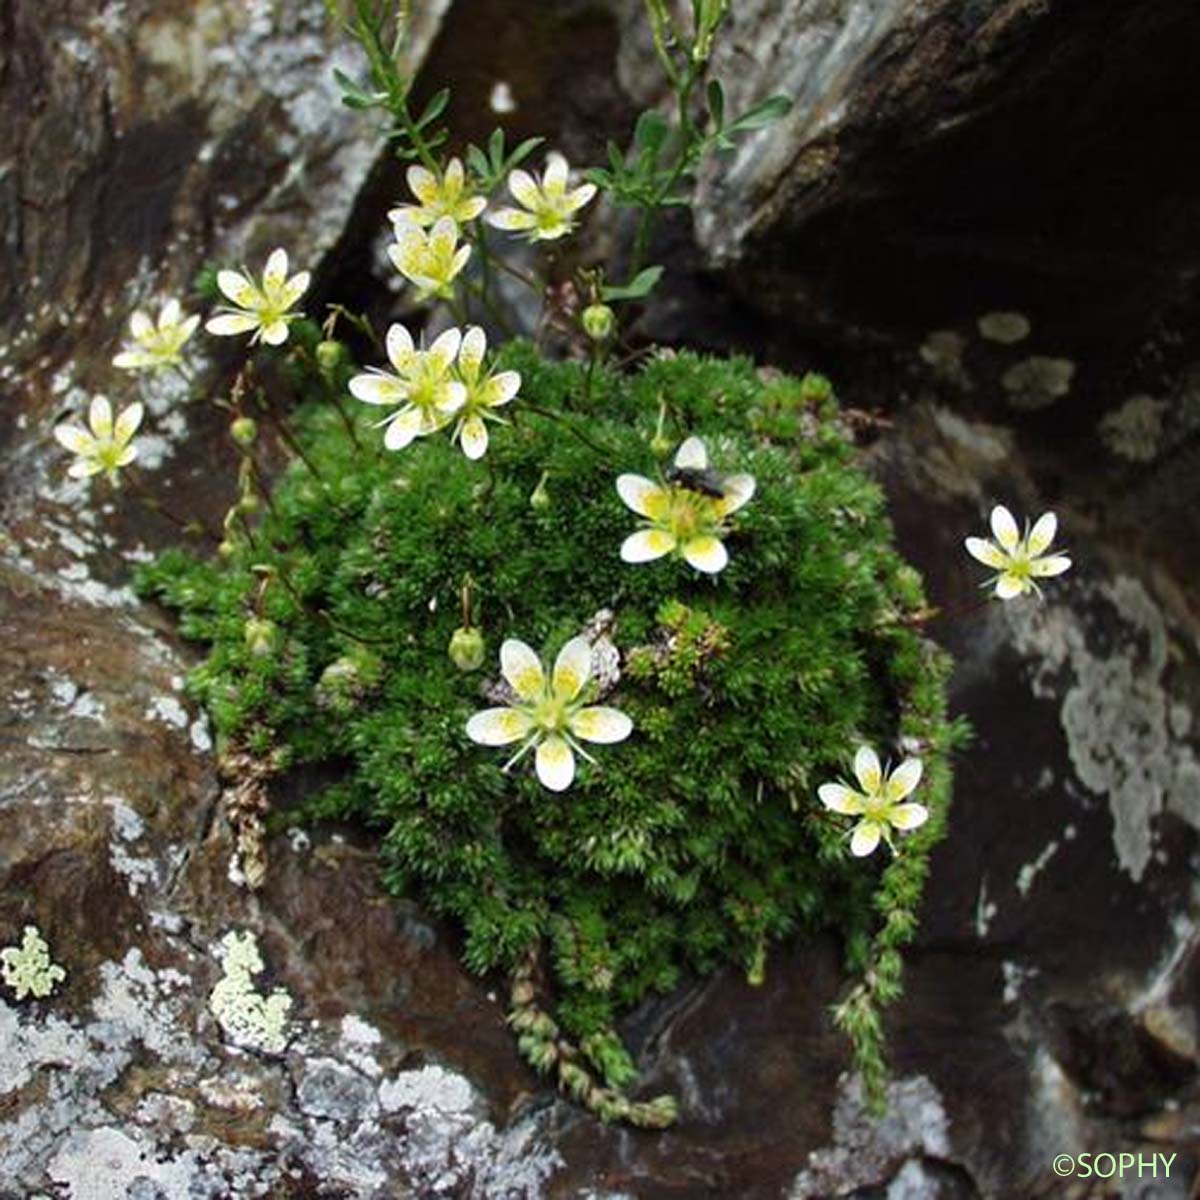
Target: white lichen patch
[
  {"x": 168, "y": 711},
  {"x": 248, "y": 1017},
  {"x": 942, "y": 351},
  {"x": 1030, "y": 871},
  {"x": 27, "y": 968},
  {"x": 866, "y": 1147},
  {"x": 985, "y": 910},
  {"x": 1038, "y": 382},
  {"x": 1006, "y": 328},
  {"x": 128, "y": 827},
  {"x": 1134, "y": 431},
  {"x": 1115, "y": 706}
]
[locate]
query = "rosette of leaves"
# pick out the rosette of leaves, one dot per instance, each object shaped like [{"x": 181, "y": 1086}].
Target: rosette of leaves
[{"x": 698, "y": 841}]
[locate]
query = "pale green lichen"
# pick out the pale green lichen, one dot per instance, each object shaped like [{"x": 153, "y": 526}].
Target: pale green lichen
[
  {"x": 1135, "y": 430},
  {"x": 1007, "y": 328},
  {"x": 1038, "y": 381},
  {"x": 248, "y": 1017},
  {"x": 27, "y": 968}
]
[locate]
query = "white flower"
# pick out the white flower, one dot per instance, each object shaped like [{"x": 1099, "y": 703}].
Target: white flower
[
  {"x": 264, "y": 308},
  {"x": 431, "y": 259},
  {"x": 683, "y": 519},
  {"x": 422, "y": 386},
  {"x": 547, "y": 208},
  {"x": 449, "y": 196},
  {"x": 156, "y": 345},
  {"x": 1018, "y": 560},
  {"x": 484, "y": 392},
  {"x": 879, "y": 803},
  {"x": 106, "y": 448},
  {"x": 549, "y": 714}
]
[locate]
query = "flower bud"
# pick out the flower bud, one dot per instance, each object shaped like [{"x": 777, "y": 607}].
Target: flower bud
[
  {"x": 661, "y": 445},
  {"x": 226, "y": 548},
  {"x": 329, "y": 356},
  {"x": 244, "y": 430},
  {"x": 248, "y": 503},
  {"x": 540, "y": 499},
  {"x": 599, "y": 322},
  {"x": 466, "y": 649},
  {"x": 261, "y": 636}
]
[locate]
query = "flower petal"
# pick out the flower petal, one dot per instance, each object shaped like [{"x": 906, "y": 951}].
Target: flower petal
[
  {"x": 127, "y": 423},
  {"x": 169, "y": 316},
  {"x": 867, "y": 770},
  {"x": 275, "y": 272},
  {"x": 471, "y": 352},
  {"x": 575, "y": 199},
  {"x": 643, "y": 495},
  {"x": 77, "y": 440},
  {"x": 1009, "y": 586},
  {"x": 452, "y": 181},
  {"x": 601, "y": 724},
  {"x": 228, "y": 324},
  {"x": 1042, "y": 534},
  {"x": 646, "y": 545},
  {"x": 474, "y": 438},
  {"x": 469, "y": 209},
  {"x": 572, "y": 668},
  {"x": 294, "y": 288},
  {"x": 865, "y": 839},
  {"x": 1004, "y": 528},
  {"x": 399, "y": 347},
  {"x": 1055, "y": 564},
  {"x": 840, "y": 799},
  {"x": 378, "y": 388},
  {"x": 134, "y": 360},
  {"x": 986, "y": 552},
  {"x": 445, "y": 348},
  {"x": 523, "y": 669},
  {"x": 902, "y": 780},
  {"x": 554, "y": 178},
  {"x": 501, "y": 388},
  {"x": 706, "y": 553},
  {"x": 274, "y": 333},
  {"x": 739, "y": 489},
  {"x": 908, "y": 816},
  {"x": 100, "y": 417},
  {"x": 692, "y": 455},
  {"x": 498, "y": 726},
  {"x": 555, "y": 764},
  {"x": 524, "y": 191},
  {"x": 188, "y": 328},
  {"x": 512, "y": 219},
  {"x": 81, "y": 468},
  {"x": 423, "y": 184},
  {"x": 140, "y": 326},
  {"x": 237, "y": 288},
  {"x": 406, "y": 427}
]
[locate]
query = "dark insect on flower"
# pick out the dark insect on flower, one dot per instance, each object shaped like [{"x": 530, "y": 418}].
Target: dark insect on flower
[{"x": 704, "y": 480}]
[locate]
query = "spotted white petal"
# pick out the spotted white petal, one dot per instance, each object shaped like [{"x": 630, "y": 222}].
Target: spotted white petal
[
  {"x": 522, "y": 668},
  {"x": 1042, "y": 533},
  {"x": 452, "y": 397},
  {"x": 1004, "y": 528},
  {"x": 406, "y": 214},
  {"x": 498, "y": 726},
  {"x": 128, "y": 422},
  {"x": 986, "y": 552},
  {"x": 501, "y": 388},
  {"x": 295, "y": 288},
  {"x": 867, "y": 770},
  {"x": 1055, "y": 564},
  {"x": 275, "y": 272},
  {"x": 77, "y": 440},
  {"x": 81, "y": 468},
  {"x": 908, "y": 816},
  {"x": 453, "y": 180},
  {"x": 644, "y": 496},
  {"x": 572, "y": 668},
  {"x": 472, "y": 208},
  {"x": 692, "y": 456},
  {"x": 555, "y": 764},
  {"x": 646, "y": 545},
  {"x": 523, "y": 188},
  {"x": 378, "y": 388},
  {"x": 403, "y": 429},
  {"x": 127, "y": 456},
  {"x": 903, "y": 779},
  {"x": 399, "y": 346},
  {"x": 575, "y": 199},
  {"x": 140, "y": 326},
  {"x": 237, "y": 288},
  {"x": 706, "y": 553},
  {"x": 274, "y": 333},
  {"x": 554, "y": 180},
  {"x": 601, "y": 724},
  {"x": 471, "y": 352},
  {"x": 227, "y": 324},
  {"x": 513, "y": 219},
  {"x": 169, "y": 315},
  {"x": 135, "y": 360},
  {"x": 739, "y": 489},
  {"x": 445, "y": 348},
  {"x": 840, "y": 799},
  {"x": 188, "y": 327},
  {"x": 423, "y": 184},
  {"x": 474, "y": 438},
  {"x": 865, "y": 838},
  {"x": 100, "y": 417},
  {"x": 1010, "y": 586}
]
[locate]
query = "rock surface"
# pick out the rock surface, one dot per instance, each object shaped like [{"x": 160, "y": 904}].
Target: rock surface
[{"x": 1053, "y": 999}]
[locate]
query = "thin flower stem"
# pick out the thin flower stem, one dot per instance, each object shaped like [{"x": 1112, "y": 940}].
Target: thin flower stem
[
  {"x": 568, "y": 425},
  {"x": 286, "y": 434},
  {"x": 194, "y": 527}
]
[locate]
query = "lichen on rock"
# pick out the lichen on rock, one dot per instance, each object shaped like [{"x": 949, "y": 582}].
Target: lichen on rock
[
  {"x": 250, "y": 1018},
  {"x": 27, "y": 968}
]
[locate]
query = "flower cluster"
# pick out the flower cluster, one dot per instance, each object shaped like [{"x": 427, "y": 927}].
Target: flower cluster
[{"x": 432, "y": 387}]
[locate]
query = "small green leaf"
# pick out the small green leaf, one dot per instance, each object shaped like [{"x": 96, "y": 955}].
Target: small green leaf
[
  {"x": 523, "y": 151},
  {"x": 762, "y": 114},
  {"x": 477, "y": 161},
  {"x": 435, "y": 108},
  {"x": 651, "y": 131},
  {"x": 716, "y": 103},
  {"x": 640, "y": 286}
]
